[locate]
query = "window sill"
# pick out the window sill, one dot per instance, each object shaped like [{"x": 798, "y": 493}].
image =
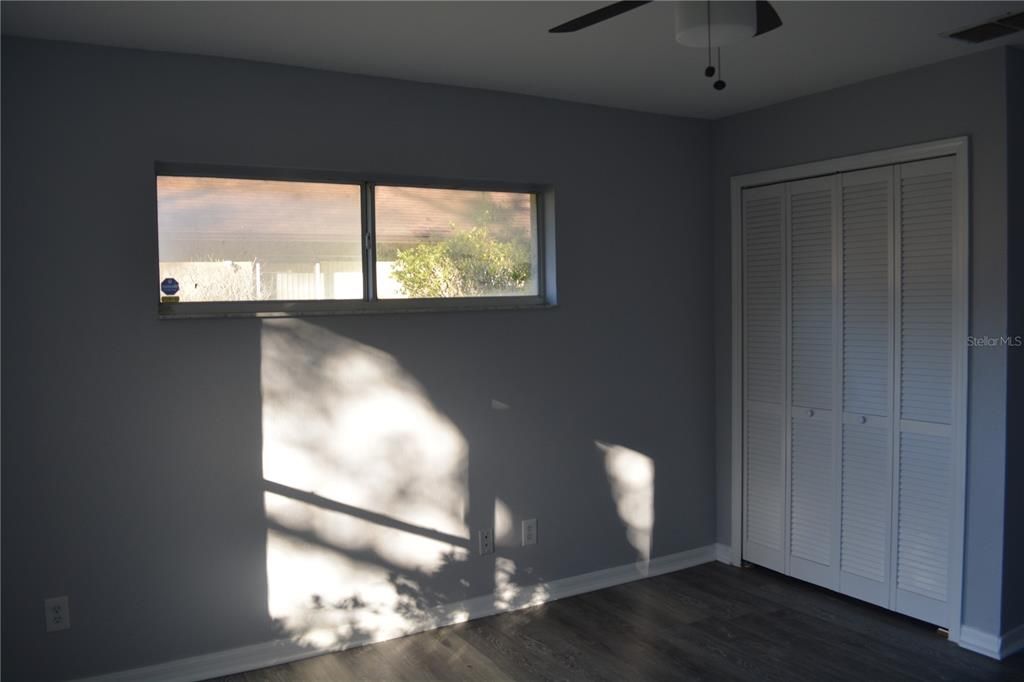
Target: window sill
[{"x": 179, "y": 311}]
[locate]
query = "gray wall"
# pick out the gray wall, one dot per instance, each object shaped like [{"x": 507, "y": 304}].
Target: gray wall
[
  {"x": 1013, "y": 550},
  {"x": 966, "y": 96},
  {"x": 132, "y": 447}
]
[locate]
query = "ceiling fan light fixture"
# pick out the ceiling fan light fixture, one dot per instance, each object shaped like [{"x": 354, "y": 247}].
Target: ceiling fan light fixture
[{"x": 731, "y": 22}]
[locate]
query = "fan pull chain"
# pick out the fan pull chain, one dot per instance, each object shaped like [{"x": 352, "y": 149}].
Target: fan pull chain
[
  {"x": 709, "y": 72},
  {"x": 719, "y": 84}
]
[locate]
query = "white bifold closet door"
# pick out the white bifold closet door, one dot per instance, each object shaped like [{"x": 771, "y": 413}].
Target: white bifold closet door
[
  {"x": 849, "y": 415},
  {"x": 764, "y": 376},
  {"x": 866, "y": 216},
  {"x": 813, "y": 550},
  {"x": 924, "y": 405}
]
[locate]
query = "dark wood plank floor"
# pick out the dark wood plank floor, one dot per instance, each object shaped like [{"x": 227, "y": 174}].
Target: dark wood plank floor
[{"x": 711, "y": 622}]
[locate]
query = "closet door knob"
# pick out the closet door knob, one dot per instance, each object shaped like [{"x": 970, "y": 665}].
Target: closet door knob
[
  {"x": 863, "y": 420},
  {"x": 810, "y": 413}
]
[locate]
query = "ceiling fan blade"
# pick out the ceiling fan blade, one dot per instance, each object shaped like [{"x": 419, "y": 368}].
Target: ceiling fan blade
[
  {"x": 767, "y": 18},
  {"x": 599, "y": 15}
]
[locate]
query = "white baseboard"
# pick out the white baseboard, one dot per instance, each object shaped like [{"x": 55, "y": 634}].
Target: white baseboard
[
  {"x": 285, "y": 650},
  {"x": 1011, "y": 642},
  {"x": 993, "y": 646},
  {"x": 979, "y": 641},
  {"x": 723, "y": 553}
]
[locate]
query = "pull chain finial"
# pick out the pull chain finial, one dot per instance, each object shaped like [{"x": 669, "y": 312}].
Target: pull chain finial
[{"x": 719, "y": 84}]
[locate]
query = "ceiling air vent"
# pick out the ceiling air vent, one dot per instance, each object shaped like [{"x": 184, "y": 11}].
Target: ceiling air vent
[{"x": 990, "y": 30}]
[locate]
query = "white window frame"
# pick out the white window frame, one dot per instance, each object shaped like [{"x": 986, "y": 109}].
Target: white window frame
[{"x": 543, "y": 206}]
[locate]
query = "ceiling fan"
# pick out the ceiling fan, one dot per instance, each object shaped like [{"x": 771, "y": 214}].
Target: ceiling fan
[{"x": 698, "y": 24}]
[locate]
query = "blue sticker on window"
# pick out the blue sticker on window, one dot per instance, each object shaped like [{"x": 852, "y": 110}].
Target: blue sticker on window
[{"x": 169, "y": 286}]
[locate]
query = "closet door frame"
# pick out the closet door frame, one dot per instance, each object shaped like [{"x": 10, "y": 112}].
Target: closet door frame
[{"x": 958, "y": 148}]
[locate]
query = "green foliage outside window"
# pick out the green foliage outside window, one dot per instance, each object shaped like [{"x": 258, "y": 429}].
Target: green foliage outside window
[{"x": 469, "y": 263}]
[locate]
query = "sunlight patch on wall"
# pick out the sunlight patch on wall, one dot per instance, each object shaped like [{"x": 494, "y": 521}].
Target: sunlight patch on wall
[
  {"x": 510, "y": 595},
  {"x": 631, "y": 475},
  {"x": 503, "y": 531},
  {"x": 324, "y": 598},
  {"x": 365, "y": 490}
]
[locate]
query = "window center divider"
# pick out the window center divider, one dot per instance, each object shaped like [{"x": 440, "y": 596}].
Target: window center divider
[{"x": 369, "y": 243}]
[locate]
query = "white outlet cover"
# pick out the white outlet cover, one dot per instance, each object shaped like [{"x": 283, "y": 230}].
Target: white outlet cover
[
  {"x": 486, "y": 538},
  {"x": 58, "y": 615},
  {"x": 529, "y": 532}
]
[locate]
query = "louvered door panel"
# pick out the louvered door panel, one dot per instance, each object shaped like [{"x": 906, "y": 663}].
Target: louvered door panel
[
  {"x": 763, "y": 485},
  {"x": 923, "y": 534},
  {"x": 812, "y": 499},
  {"x": 810, "y": 221},
  {"x": 926, "y": 295},
  {"x": 764, "y": 364},
  {"x": 925, "y": 219},
  {"x": 867, "y": 233},
  {"x": 866, "y": 509},
  {"x": 763, "y": 323},
  {"x": 866, "y": 216}
]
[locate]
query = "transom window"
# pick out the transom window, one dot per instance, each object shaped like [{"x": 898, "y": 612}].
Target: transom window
[{"x": 305, "y": 244}]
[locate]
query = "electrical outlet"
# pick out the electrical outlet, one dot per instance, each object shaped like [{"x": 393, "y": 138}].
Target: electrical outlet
[
  {"x": 58, "y": 617},
  {"x": 529, "y": 532},
  {"x": 486, "y": 541}
]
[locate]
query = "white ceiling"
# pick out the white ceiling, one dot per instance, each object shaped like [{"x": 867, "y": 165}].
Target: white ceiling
[{"x": 631, "y": 61}]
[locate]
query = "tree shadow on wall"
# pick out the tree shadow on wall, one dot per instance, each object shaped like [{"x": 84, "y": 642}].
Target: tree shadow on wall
[{"x": 372, "y": 501}]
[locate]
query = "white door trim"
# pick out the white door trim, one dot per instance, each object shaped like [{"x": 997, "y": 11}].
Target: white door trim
[{"x": 958, "y": 148}]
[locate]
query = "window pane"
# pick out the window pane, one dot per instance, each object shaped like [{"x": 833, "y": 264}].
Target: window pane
[
  {"x": 260, "y": 240},
  {"x": 445, "y": 243}
]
